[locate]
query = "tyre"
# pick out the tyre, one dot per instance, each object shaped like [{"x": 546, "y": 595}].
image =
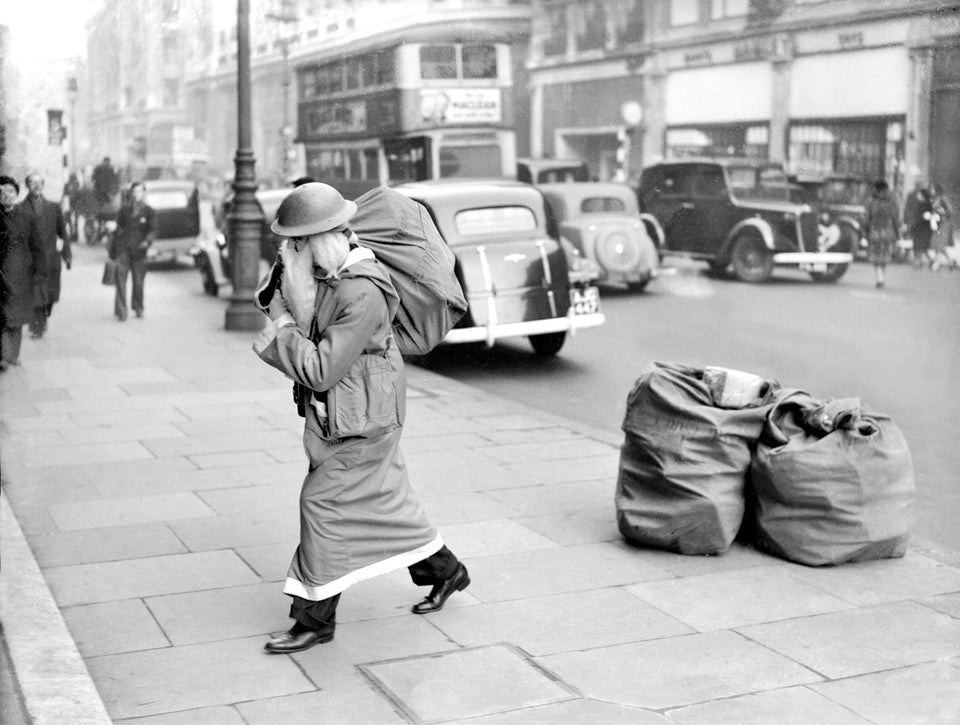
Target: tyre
[
  {"x": 833, "y": 273},
  {"x": 549, "y": 343},
  {"x": 752, "y": 261},
  {"x": 639, "y": 286}
]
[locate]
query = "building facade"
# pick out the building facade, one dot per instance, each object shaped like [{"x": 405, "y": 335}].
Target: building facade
[
  {"x": 860, "y": 87},
  {"x": 136, "y": 56},
  {"x": 362, "y": 91}
]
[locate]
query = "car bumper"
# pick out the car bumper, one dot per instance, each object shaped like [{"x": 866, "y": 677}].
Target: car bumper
[
  {"x": 571, "y": 323},
  {"x": 798, "y": 258}
]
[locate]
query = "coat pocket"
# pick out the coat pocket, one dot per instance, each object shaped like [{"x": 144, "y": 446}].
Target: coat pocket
[{"x": 366, "y": 402}]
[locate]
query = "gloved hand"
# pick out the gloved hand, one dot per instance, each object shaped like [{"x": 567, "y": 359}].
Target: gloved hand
[{"x": 277, "y": 306}]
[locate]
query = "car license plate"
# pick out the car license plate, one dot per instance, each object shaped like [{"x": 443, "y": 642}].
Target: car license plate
[
  {"x": 585, "y": 301},
  {"x": 814, "y": 267}
]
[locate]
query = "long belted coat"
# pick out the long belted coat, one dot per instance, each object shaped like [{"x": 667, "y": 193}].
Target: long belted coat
[
  {"x": 50, "y": 225},
  {"x": 23, "y": 265},
  {"x": 359, "y": 517}
]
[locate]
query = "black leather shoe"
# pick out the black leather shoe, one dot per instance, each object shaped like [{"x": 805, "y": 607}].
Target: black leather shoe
[
  {"x": 297, "y": 641},
  {"x": 441, "y": 592}
]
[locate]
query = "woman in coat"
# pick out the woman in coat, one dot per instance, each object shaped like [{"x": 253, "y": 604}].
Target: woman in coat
[
  {"x": 23, "y": 268},
  {"x": 136, "y": 230},
  {"x": 331, "y": 307},
  {"x": 883, "y": 221}
]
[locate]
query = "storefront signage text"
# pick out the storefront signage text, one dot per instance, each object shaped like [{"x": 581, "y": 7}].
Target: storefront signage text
[
  {"x": 698, "y": 57},
  {"x": 853, "y": 39},
  {"x": 752, "y": 50}
]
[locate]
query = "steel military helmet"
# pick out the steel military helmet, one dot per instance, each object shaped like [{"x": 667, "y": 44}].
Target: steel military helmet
[{"x": 311, "y": 209}]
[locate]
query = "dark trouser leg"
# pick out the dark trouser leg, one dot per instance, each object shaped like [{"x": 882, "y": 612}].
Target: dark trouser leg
[
  {"x": 138, "y": 269},
  {"x": 435, "y": 569},
  {"x": 314, "y": 616},
  {"x": 39, "y": 322},
  {"x": 10, "y": 345},
  {"x": 120, "y": 298}
]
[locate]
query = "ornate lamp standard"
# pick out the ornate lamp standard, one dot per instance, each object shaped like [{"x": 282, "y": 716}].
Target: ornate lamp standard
[{"x": 246, "y": 218}]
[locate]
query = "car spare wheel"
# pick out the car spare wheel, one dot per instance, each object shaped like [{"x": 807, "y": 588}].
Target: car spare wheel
[
  {"x": 616, "y": 251},
  {"x": 549, "y": 343},
  {"x": 752, "y": 261}
]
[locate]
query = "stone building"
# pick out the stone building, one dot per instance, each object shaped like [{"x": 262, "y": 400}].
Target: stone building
[{"x": 863, "y": 87}]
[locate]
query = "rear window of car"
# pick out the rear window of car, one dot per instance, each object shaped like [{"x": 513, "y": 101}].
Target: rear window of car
[
  {"x": 167, "y": 199},
  {"x": 594, "y": 204},
  {"x": 495, "y": 220}
]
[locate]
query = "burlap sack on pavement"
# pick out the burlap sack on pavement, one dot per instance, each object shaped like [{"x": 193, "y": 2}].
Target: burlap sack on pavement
[
  {"x": 689, "y": 435},
  {"x": 832, "y": 482}
]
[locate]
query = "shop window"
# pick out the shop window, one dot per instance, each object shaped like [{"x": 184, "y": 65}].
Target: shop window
[
  {"x": 684, "y": 12},
  {"x": 479, "y": 61},
  {"x": 857, "y": 149},
  {"x": 354, "y": 165},
  {"x": 470, "y": 161},
  {"x": 729, "y": 8},
  {"x": 371, "y": 164},
  {"x": 438, "y": 62}
]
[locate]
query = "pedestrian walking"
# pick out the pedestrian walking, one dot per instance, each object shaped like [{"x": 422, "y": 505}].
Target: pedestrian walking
[
  {"x": 71, "y": 204},
  {"x": 22, "y": 268},
  {"x": 917, "y": 211},
  {"x": 883, "y": 220},
  {"x": 331, "y": 307},
  {"x": 56, "y": 249},
  {"x": 136, "y": 230},
  {"x": 942, "y": 218}
]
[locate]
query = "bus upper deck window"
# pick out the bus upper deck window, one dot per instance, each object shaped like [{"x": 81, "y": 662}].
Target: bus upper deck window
[
  {"x": 479, "y": 61},
  {"x": 438, "y": 61}
]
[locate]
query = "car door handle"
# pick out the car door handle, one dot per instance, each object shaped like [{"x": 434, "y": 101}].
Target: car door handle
[{"x": 686, "y": 205}]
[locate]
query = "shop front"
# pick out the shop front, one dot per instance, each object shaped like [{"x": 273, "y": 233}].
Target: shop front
[
  {"x": 840, "y": 124},
  {"x": 720, "y": 110}
]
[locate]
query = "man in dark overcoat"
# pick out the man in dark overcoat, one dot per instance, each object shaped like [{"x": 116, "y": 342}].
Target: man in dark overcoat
[
  {"x": 22, "y": 267},
  {"x": 51, "y": 227}
]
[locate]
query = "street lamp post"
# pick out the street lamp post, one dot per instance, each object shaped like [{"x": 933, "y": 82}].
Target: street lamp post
[
  {"x": 72, "y": 92},
  {"x": 246, "y": 217}
]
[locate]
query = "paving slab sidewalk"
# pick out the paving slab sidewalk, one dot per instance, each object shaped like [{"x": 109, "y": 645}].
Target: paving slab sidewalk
[{"x": 151, "y": 470}]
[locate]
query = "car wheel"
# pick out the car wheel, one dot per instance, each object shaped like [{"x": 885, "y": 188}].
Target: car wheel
[
  {"x": 752, "y": 261},
  {"x": 833, "y": 273},
  {"x": 639, "y": 286},
  {"x": 549, "y": 343}
]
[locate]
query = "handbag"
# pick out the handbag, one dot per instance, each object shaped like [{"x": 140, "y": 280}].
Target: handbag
[{"x": 109, "y": 272}]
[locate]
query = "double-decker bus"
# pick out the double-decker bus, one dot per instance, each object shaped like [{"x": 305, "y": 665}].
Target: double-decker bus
[{"x": 424, "y": 108}]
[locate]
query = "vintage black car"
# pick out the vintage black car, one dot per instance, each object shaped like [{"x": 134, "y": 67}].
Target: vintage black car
[
  {"x": 517, "y": 278},
  {"x": 737, "y": 213},
  {"x": 845, "y": 198},
  {"x": 603, "y": 223},
  {"x": 177, "y": 206}
]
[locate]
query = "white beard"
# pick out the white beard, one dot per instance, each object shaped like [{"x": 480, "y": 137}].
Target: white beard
[{"x": 298, "y": 285}]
